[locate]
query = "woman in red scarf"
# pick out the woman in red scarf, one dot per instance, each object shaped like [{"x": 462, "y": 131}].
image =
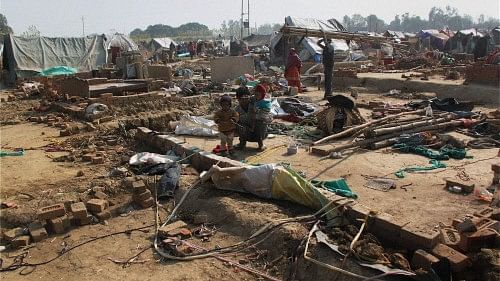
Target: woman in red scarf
[{"x": 292, "y": 69}]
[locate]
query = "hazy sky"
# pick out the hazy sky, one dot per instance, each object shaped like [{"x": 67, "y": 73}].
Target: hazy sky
[{"x": 63, "y": 17}]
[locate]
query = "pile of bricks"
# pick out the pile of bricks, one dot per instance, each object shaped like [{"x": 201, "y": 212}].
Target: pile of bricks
[
  {"x": 98, "y": 207},
  {"x": 96, "y": 158},
  {"x": 142, "y": 195},
  {"x": 464, "y": 236},
  {"x": 53, "y": 121},
  {"x": 58, "y": 219},
  {"x": 488, "y": 74}
]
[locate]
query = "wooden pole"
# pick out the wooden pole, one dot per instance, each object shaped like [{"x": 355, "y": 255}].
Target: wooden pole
[
  {"x": 405, "y": 127},
  {"x": 360, "y": 127},
  {"x": 365, "y": 142}
]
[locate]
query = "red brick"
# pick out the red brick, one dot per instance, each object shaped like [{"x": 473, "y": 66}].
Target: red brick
[
  {"x": 101, "y": 195},
  {"x": 147, "y": 203},
  {"x": 21, "y": 241},
  {"x": 50, "y": 212},
  {"x": 11, "y": 234},
  {"x": 450, "y": 237},
  {"x": 414, "y": 239},
  {"x": 37, "y": 231},
  {"x": 466, "y": 187},
  {"x": 96, "y": 205},
  {"x": 139, "y": 187},
  {"x": 422, "y": 259},
  {"x": 386, "y": 227},
  {"x": 79, "y": 210},
  {"x": 104, "y": 215},
  {"x": 182, "y": 232},
  {"x": 486, "y": 212},
  {"x": 85, "y": 221},
  {"x": 65, "y": 133},
  {"x": 143, "y": 196},
  {"x": 66, "y": 220},
  {"x": 477, "y": 240},
  {"x": 57, "y": 225},
  {"x": 164, "y": 230},
  {"x": 97, "y": 160},
  {"x": 482, "y": 222},
  {"x": 87, "y": 157},
  {"x": 459, "y": 262}
]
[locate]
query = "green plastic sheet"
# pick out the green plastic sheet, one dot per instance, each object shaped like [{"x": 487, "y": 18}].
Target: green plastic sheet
[
  {"x": 435, "y": 164},
  {"x": 445, "y": 153},
  {"x": 338, "y": 186},
  {"x": 58, "y": 70}
]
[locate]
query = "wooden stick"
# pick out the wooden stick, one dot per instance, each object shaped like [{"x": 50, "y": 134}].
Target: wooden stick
[
  {"x": 405, "y": 127},
  {"x": 360, "y": 127},
  {"x": 299, "y": 31},
  {"x": 365, "y": 142}
]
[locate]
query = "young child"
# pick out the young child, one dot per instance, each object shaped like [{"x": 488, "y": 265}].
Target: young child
[
  {"x": 226, "y": 119},
  {"x": 262, "y": 105}
]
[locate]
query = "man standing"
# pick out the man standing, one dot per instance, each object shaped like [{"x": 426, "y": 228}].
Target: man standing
[
  {"x": 172, "y": 51},
  {"x": 328, "y": 55}
]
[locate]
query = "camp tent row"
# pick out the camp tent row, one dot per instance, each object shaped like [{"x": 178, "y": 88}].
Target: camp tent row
[{"x": 27, "y": 57}]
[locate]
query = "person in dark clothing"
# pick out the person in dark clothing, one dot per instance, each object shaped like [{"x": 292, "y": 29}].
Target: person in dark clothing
[
  {"x": 171, "y": 51},
  {"x": 249, "y": 128},
  {"x": 328, "y": 55}
]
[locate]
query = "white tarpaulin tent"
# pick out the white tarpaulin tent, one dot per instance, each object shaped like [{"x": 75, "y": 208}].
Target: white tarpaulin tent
[
  {"x": 158, "y": 43},
  {"x": 121, "y": 41},
  {"x": 26, "y": 57},
  {"x": 309, "y": 44}
]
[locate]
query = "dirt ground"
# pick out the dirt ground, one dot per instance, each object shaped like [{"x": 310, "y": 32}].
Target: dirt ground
[
  {"x": 424, "y": 203},
  {"x": 35, "y": 180}
]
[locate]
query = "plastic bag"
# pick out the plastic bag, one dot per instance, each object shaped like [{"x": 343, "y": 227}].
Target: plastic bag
[
  {"x": 95, "y": 110},
  {"x": 196, "y": 126},
  {"x": 151, "y": 158}
]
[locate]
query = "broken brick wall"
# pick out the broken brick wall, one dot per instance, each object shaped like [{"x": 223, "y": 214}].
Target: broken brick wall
[{"x": 487, "y": 74}]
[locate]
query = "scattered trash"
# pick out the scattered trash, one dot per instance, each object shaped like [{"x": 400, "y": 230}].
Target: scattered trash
[
  {"x": 380, "y": 184},
  {"x": 17, "y": 152},
  {"x": 95, "y": 111},
  {"x": 150, "y": 158},
  {"x": 196, "y": 126}
]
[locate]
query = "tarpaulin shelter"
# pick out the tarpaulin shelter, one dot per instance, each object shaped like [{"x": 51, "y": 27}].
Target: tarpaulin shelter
[
  {"x": 27, "y": 57},
  {"x": 118, "y": 43},
  {"x": 394, "y": 34},
  {"x": 159, "y": 43},
  {"x": 469, "y": 41},
  {"x": 307, "y": 46},
  {"x": 257, "y": 40},
  {"x": 433, "y": 39},
  {"x": 495, "y": 35}
]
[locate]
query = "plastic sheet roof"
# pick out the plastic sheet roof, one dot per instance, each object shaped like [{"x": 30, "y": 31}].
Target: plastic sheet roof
[
  {"x": 121, "y": 41},
  {"x": 326, "y": 25},
  {"x": 162, "y": 42}
]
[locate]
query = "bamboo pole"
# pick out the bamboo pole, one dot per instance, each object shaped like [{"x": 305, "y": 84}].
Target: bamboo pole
[
  {"x": 299, "y": 31},
  {"x": 353, "y": 130},
  {"x": 405, "y": 127},
  {"x": 365, "y": 142}
]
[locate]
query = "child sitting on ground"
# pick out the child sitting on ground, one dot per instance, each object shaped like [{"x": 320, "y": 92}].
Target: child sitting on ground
[{"x": 226, "y": 119}]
